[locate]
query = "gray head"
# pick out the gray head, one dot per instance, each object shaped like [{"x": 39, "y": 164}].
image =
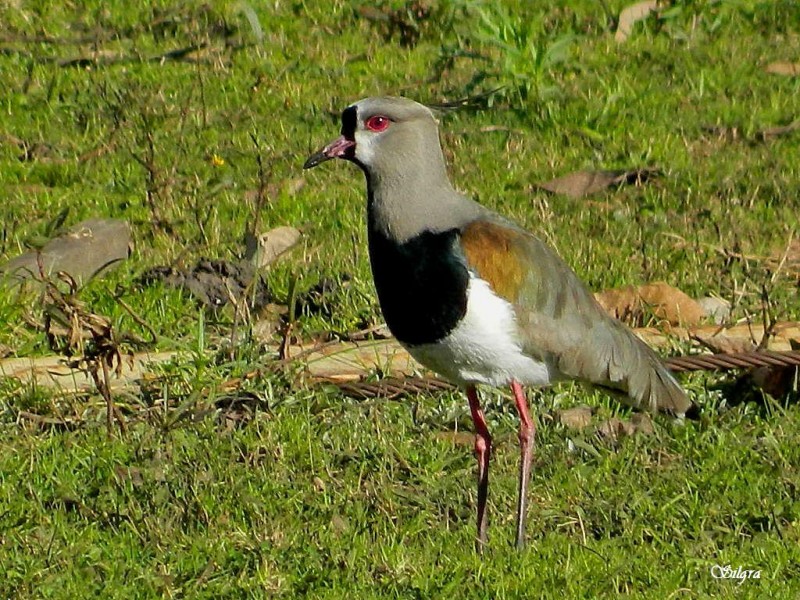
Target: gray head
[
  {"x": 381, "y": 133},
  {"x": 395, "y": 141}
]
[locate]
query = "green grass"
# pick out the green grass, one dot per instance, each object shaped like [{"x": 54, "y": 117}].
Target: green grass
[{"x": 278, "y": 489}]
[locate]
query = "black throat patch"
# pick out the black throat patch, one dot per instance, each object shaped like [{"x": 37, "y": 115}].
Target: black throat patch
[
  {"x": 421, "y": 283},
  {"x": 349, "y": 122}
]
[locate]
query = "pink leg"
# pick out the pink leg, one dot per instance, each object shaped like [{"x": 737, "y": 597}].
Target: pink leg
[
  {"x": 483, "y": 448},
  {"x": 527, "y": 431}
]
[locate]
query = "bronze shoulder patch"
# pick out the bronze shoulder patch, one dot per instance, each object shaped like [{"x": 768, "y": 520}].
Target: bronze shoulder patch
[{"x": 491, "y": 252}]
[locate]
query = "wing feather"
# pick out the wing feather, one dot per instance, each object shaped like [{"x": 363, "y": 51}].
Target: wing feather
[{"x": 561, "y": 322}]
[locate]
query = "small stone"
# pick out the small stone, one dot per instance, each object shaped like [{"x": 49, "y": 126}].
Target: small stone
[
  {"x": 717, "y": 309},
  {"x": 615, "y": 428},
  {"x": 642, "y": 423},
  {"x": 578, "y": 417}
]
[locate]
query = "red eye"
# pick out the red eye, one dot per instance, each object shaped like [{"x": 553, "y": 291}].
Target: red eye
[{"x": 377, "y": 123}]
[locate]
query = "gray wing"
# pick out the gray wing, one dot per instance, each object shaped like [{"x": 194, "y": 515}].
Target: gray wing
[{"x": 560, "y": 321}]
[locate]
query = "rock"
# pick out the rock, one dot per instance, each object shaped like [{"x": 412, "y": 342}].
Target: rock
[
  {"x": 717, "y": 309},
  {"x": 84, "y": 251}
]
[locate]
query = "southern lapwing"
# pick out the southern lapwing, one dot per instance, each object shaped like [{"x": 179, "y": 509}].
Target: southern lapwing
[{"x": 474, "y": 297}]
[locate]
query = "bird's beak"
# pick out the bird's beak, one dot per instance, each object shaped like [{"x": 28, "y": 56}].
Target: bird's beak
[{"x": 341, "y": 147}]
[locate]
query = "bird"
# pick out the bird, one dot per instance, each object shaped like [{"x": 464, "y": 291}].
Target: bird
[{"x": 476, "y": 298}]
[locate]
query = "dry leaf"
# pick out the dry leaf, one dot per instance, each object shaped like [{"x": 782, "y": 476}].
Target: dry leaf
[
  {"x": 630, "y": 15},
  {"x": 583, "y": 183},
  {"x": 580, "y": 183},
  {"x": 578, "y": 417},
  {"x": 372, "y": 13},
  {"x": 267, "y": 247},
  {"x": 720, "y": 343},
  {"x": 86, "y": 250},
  {"x": 265, "y": 328},
  {"x": 773, "y": 132},
  {"x": 129, "y": 474},
  {"x": 667, "y": 303},
  {"x": 615, "y": 428},
  {"x": 642, "y": 423},
  {"x": 783, "y": 68},
  {"x": 731, "y": 133},
  {"x": 339, "y": 524}
]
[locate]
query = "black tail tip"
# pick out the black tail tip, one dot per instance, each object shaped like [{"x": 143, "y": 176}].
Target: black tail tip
[{"x": 693, "y": 412}]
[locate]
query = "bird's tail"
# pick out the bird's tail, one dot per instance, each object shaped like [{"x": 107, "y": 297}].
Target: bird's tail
[
  {"x": 638, "y": 371},
  {"x": 655, "y": 388}
]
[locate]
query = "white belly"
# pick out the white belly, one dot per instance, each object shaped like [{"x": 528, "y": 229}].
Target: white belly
[{"x": 484, "y": 347}]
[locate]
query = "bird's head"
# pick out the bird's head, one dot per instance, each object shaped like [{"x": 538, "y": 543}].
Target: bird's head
[{"x": 383, "y": 134}]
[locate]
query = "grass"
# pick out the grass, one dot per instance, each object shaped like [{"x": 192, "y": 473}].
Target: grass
[{"x": 278, "y": 489}]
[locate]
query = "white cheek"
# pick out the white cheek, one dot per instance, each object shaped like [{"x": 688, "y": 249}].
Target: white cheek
[{"x": 364, "y": 146}]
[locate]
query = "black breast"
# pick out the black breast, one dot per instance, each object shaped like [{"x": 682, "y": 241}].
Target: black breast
[{"x": 422, "y": 285}]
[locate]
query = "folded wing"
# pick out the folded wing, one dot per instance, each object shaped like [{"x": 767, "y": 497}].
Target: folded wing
[{"x": 561, "y": 323}]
